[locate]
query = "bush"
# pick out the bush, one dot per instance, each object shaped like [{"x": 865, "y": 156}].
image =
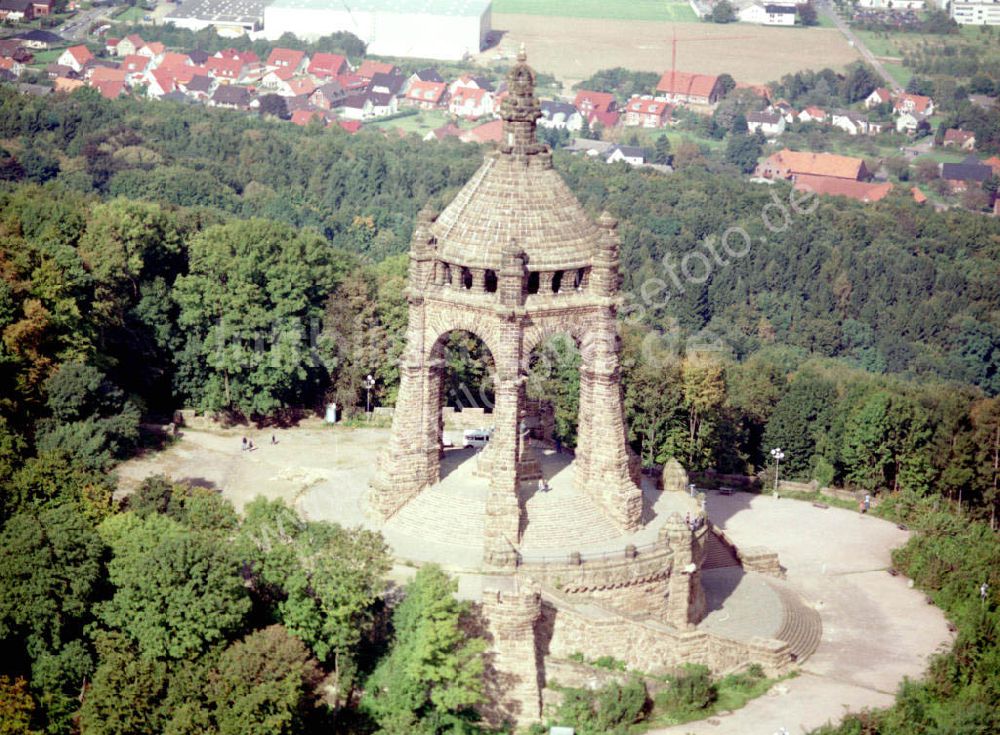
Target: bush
[{"x": 691, "y": 689}]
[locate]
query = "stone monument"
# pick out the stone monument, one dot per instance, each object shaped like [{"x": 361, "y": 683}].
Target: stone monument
[{"x": 514, "y": 260}]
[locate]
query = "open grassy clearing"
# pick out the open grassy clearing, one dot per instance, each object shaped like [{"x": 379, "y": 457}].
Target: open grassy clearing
[{"x": 666, "y": 10}]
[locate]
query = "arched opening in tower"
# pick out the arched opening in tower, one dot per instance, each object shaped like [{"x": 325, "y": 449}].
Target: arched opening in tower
[
  {"x": 553, "y": 389},
  {"x": 468, "y": 372}
]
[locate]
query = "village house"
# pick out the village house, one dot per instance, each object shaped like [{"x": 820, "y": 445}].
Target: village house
[
  {"x": 231, "y": 97},
  {"x": 852, "y": 123},
  {"x": 304, "y": 117},
  {"x": 39, "y": 40},
  {"x": 75, "y": 57},
  {"x": 448, "y": 130},
  {"x": 277, "y": 80},
  {"x": 301, "y": 87},
  {"x": 370, "y": 68},
  {"x": 59, "y": 71},
  {"x": 284, "y": 58},
  {"x": 470, "y": 102},
  {"x": 915, "y": 103},
  {"x": 16, "y": 11},
  {"x": 368, "y": 105},
  {"x": 813, "y": 114},
  {"x": 771, "y": 124},
  {"x": 599, "y": 107},
  {"x": 329, "y": 95},
  {"x": 632, "y": 155},
  {"x": 970, "y": 173},
  {"x": 768, "y": 14},
  {"x": 958, "y": 138},
  {"x": 861, "y": 191},
  {"x": 16, "y": 68},
  {"x": 387, "y": 83},
  {"x": 154, "y": 50},
  {"x": 129, "y": 46},
  {"x": 426, "y": 95},
  {"x": 789, "y": 164},
  {"x": 879, "y": 96},
  {"x": 135, "y": 66},
  {"x": 226, "y": 70},
  {"x": 469, "y": 81},
  {"x": 646, "y": 112},
  {"x": 491, "y": 132},
  {"x": 560, "y": 116},
  {"x": 681, "y": 87},
  {"x": 430, "y": 74},
  {"x": 907, "y": 122},
  {"x": 324, "y": 65},
  {"x": 200, "y": 87},
  {"x": 68, "y": 86}
]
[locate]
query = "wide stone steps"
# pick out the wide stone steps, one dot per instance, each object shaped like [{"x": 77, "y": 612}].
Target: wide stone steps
[
  {"x": 717, "y": 554},
  {"x": 566, "y": 521},
  {"x": 442, "y": 517},
  {"x": 802, "y": 627}
]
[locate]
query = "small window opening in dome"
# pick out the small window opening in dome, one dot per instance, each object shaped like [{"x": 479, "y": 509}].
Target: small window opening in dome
[
  {"x": 533, "y": 281},
  {"x": 447, "y": 274},
  {"x": 557, "y": 281},
  {"x": 466, "y": 278},
  {"x": 578, "y": 279},
  {"x": 490, "y": 281}
]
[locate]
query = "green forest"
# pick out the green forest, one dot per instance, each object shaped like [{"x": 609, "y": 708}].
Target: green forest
[{"x": 155, "y": 256}]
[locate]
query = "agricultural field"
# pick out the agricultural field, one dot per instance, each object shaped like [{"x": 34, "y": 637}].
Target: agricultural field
[
  {"x": 754, "y": 54},
  {"x": 676, "y": 11}
]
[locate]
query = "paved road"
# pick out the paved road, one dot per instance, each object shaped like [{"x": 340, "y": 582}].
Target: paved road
[
  {"x": 876, "y": 630},
  {"x": 76, "y": 28},
  {"x": 825, "y": 8}
]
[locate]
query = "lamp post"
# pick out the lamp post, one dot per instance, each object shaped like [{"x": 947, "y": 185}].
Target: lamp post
[
  {"x": 369, "y": 384},
  {"x": 778, "y": 456}
]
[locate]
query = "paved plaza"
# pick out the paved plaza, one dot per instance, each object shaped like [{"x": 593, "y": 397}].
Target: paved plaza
[{"x": 875, "y": 628}]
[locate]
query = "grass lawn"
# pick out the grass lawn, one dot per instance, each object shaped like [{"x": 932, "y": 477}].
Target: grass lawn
[
  {"x": 423, "y": 122},
  {"x": 664, "y": 10},
  {"x": 900, "y": 73},
  {"x": 44, "y": 58},
  {"x": 132, "y": 15}
]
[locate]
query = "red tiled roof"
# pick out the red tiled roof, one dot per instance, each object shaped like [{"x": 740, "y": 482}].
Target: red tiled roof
[
  {"x": 302, "y": 86},
  {"x": 686, "y": 83},
  {"x": 156, "y": 47},
  {"x": 164, "y": 79},
  {"x": 463, "y": 95},
  {"x": 817, "y": 164},
  {"x": 647, "y": 106},
  {"x": 285, "y": 57},
  {"x": 326, "y": 65},
  {"x": 426, "y": 91},
  {"x": 920, "y": 103},
  {"x": 247, "y": 57},
  {"x": 135, "y": 64},
  {"x": 351, "y": 81},
  {"x": 80, "y": 53},
  {"x": 815, "y": 112},
  {"x": 994, "y": 163},
  {"x": 956, "y": 135},
  {"x": 351, "y": 126},
  {"x": 104, "y": 74},
  {"x": 883, "y": 94},
  {"x": 63, "y": 84},
  {"x": 109, "y": 89},
  {"x": 228, "y": 68},
  {"x": 599, "y": 101},
  {"x": 368, "y": 68},
  {"x": 490, "y": 132},
  {"x": 607, "y": 119},
  {"x": 918, "y": 196},
  {"x": 304, "y": 117},
  {"x": 284, "y": 73},
  {"x": 858, "y": 190}
]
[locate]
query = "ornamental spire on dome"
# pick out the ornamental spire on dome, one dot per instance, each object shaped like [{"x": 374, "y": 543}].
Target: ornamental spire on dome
[{"x": 520, "y": 110}]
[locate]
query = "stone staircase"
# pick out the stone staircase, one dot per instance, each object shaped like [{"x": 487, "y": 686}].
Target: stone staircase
[
  {"x": 717, "y": 554},
  {"x": 565, "y": 519},
  {"x": 441, "y": 515},
  {"x": 802, "y": 627}
]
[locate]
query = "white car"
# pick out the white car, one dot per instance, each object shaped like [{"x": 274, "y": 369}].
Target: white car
[{"x": 476, "y": 438}]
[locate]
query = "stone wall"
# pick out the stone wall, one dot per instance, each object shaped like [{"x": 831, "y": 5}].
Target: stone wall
[
  {"x": 753, "y": 558},
  {"x": 646, "y": 645},
  {"x": 637, "y": 583}
]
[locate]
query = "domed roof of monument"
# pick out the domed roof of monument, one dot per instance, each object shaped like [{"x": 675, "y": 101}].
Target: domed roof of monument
[{"x": 517, "y": 195}]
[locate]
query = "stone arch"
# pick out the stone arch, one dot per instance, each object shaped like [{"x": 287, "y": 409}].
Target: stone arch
[
  {"x": 541, "y": 332},
  {"x": 439, "y": 326}
]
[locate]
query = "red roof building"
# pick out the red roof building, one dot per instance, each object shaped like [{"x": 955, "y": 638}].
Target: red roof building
[
  {"x": 427, "y": 95},
  {"x": 225, "y": 68},
  {"x": 285, "y": 58},
  {"x": 351, "y": 126},
  {"x": 327, "y": 65},
  {"x": 647, "y": 112},
  {"x": 682, "y": 86},
  {"x": 369, "y": 68},
  {"x": 788, "y": 164},
  {"x": 860, "y": 191},
  {"x": 304, "y": 117}
]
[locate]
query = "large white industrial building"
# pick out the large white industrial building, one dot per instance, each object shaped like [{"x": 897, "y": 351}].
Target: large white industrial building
[{"x": 429, "y": 29}]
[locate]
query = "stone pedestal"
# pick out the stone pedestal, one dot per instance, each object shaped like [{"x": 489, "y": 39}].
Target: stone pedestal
[{"x": 515, "y": 694}]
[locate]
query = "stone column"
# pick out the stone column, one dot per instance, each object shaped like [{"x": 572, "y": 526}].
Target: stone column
[
  {"x": 685, "y": 595},
  {"x": 515, "y": 694},
  {"x": 503, "y": 507},
  {"x": 606, "y": 473}
]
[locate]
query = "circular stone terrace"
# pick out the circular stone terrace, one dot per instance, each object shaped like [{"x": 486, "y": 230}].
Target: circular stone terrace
[{"x": 856, "y": 630}]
